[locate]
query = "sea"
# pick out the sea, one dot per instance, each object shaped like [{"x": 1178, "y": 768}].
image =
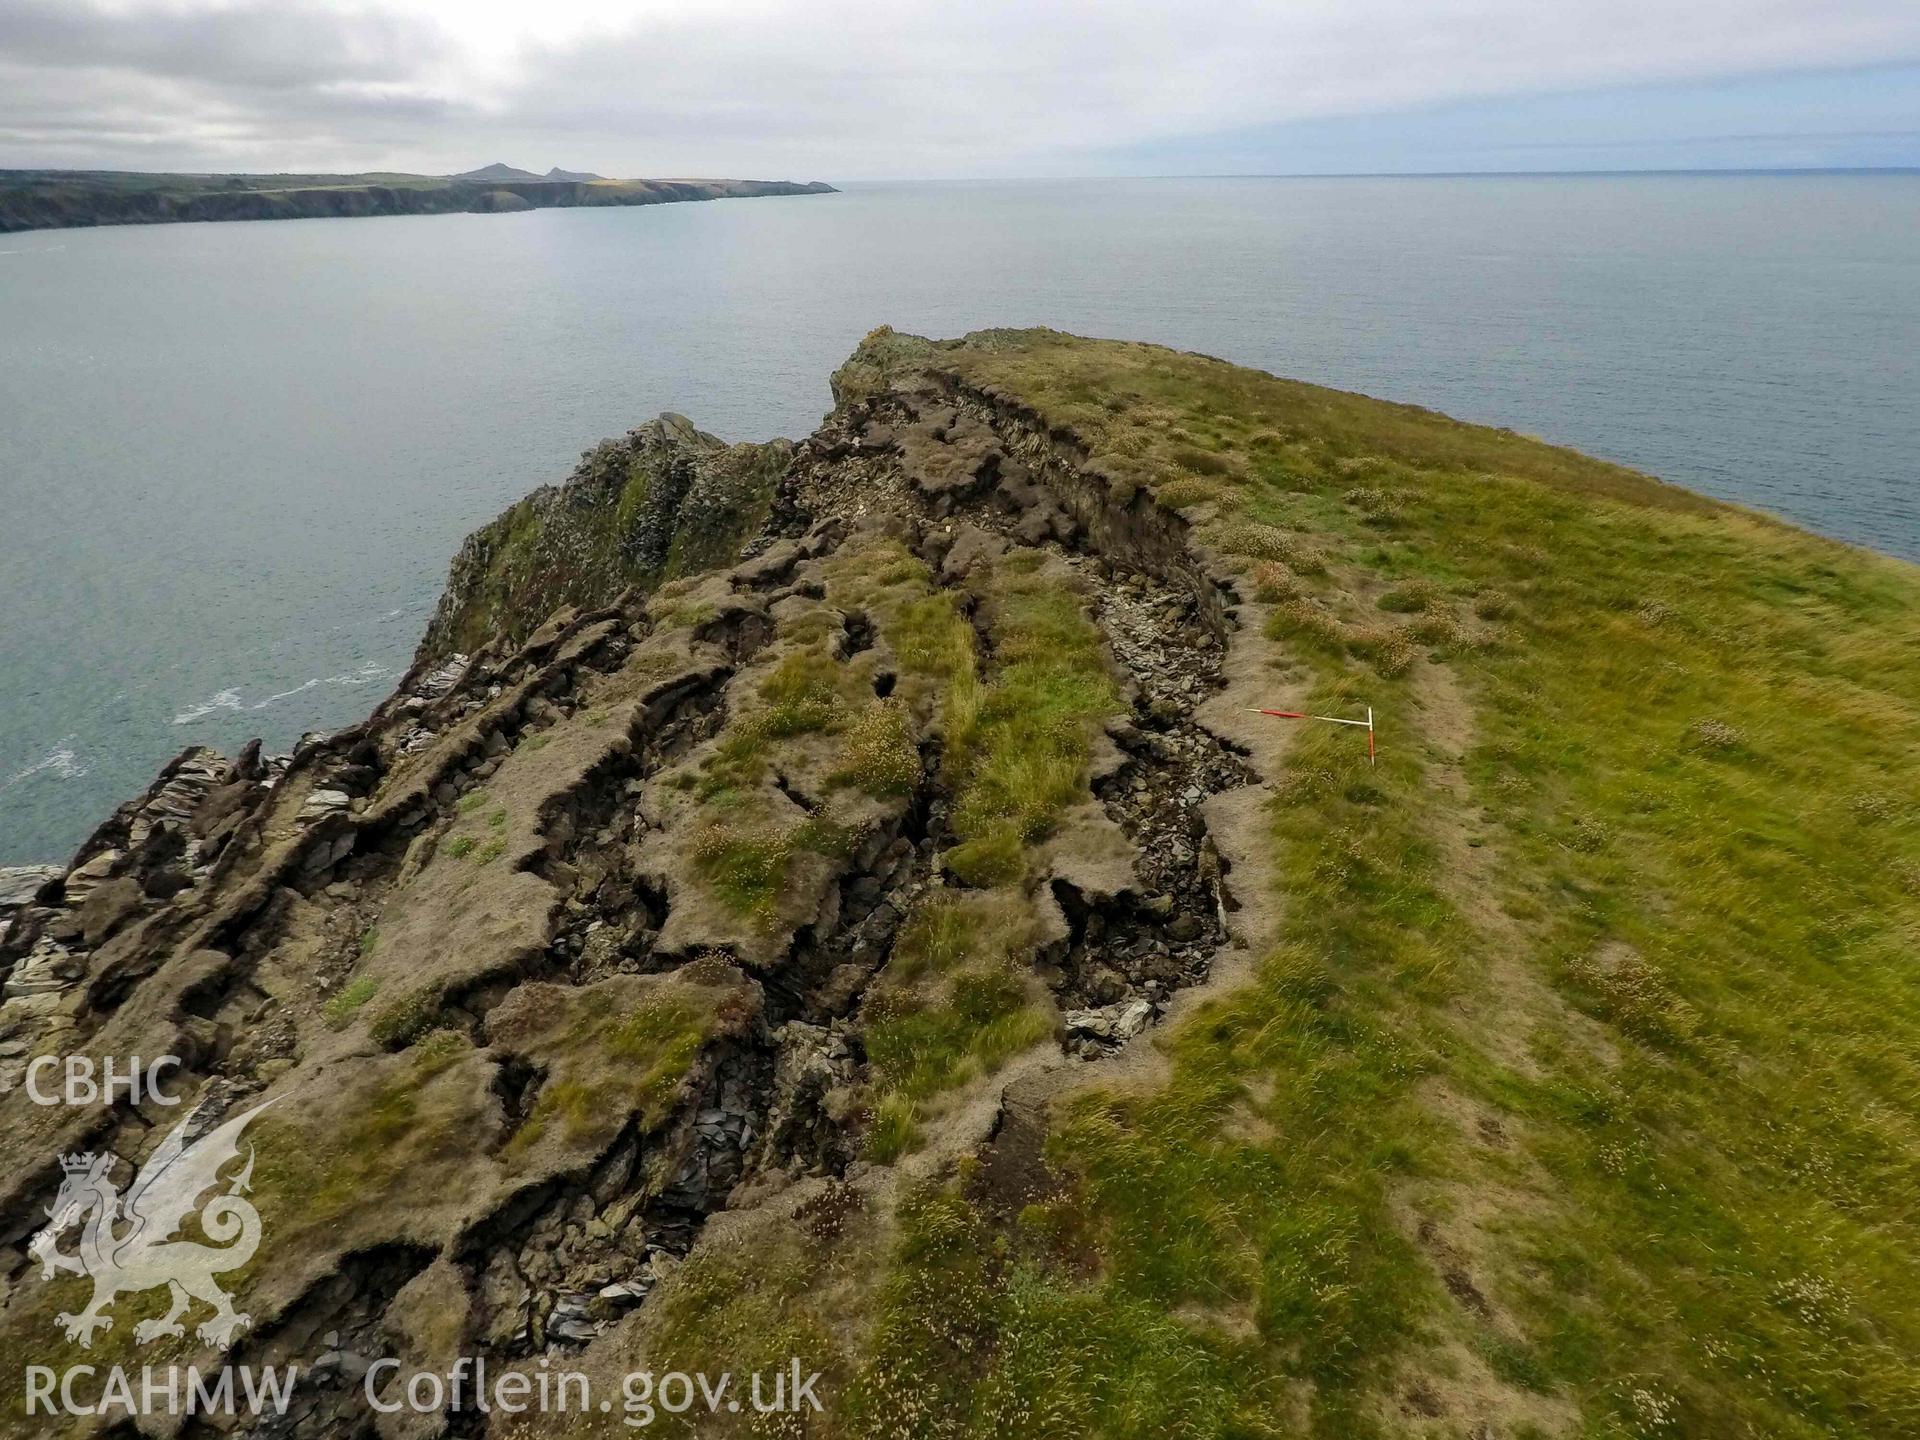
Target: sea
[{"x": 235, "y": 459}]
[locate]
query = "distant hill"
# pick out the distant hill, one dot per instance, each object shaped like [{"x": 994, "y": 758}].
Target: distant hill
[{"x": 497, "y": 171}]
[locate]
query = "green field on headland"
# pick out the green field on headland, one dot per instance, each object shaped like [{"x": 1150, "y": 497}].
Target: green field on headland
[{"x": 59, "y": 199}]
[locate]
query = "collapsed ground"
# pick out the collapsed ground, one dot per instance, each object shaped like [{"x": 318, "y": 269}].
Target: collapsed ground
[{"x": 865, "y": 924}]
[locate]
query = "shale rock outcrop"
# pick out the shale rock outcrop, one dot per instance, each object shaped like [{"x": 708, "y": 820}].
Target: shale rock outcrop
[{"x": 747, "y": 810}]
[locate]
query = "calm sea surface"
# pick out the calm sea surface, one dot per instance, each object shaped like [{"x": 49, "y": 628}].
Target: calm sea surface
[{"x": 235, "y": 459}]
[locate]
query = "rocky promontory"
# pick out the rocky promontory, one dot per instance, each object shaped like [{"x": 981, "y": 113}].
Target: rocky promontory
[
  {"x": 666, "y": 500},
  {"x": 873, "y": 904}
]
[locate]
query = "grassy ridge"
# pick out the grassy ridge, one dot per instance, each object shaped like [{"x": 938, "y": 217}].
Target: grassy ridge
[{"x": 1636, "y": 890}]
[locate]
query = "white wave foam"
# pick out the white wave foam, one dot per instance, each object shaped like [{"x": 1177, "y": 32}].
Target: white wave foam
[
  {"x": 225, "y": 700},
  {"x": 62, "y": 761},
  {"x": 230, "y": 699}
]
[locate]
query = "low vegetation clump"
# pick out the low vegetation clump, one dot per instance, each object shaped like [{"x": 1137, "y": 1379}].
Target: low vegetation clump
[
  {"x": 604, "y": 1058},
  {"x": 803, "y": 694},
  {"x": 1414, "y": 597},
  {"x": 1271, "y": 544},
  {"x": 404, "y": 1021},
  {"x": 746, "y": 867},
  {"x": 342, "y": 1007},
  {"x": 1017, "y": 746},
  {"x": 880, "y": 756},
  {"x": 1271, "y": 583},
  {"x": 957, "y": 1002}
]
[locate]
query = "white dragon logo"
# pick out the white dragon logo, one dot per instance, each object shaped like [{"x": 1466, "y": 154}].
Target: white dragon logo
[{"x": 144, "y": 1254}]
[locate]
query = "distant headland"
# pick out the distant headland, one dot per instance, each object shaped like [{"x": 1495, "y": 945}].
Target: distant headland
[{"x": 56, "y": 199}]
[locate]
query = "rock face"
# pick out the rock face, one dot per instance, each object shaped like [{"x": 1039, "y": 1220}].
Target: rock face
[
  {"x": 19, "y": 883},
  {"x": 501, "y": 202},
  {"x": 666, "y": 500}
]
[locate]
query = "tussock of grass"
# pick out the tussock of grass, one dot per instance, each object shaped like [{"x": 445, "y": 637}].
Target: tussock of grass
[
  {"x": 407, "y": 1019},
  {"x": 1017, "y": 747},
  {"x": 880, "y": 756},
  {"x": 747, "y": 867},
  {"x": 1178, "y": 494},
  {"x": 1492, "y": 605},
  {"x": 1414, "y": 597},
  {"x": 341, "y": 1008},
  {"x": 1271, "y": 544},
  {"x": 607, "y": 1065},
  {"x": 1310, "y": 624},
  {"x": 1388, "y": 648},
  {"x": 983, "y": 1018},
  {"x": 1271, "y": 583},
  {"x": 956, "y": 1002},
  {"x": 803, "y": 693}
]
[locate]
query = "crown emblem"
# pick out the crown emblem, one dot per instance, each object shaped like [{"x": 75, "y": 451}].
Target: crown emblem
[{"x": 77, "y": 1164}]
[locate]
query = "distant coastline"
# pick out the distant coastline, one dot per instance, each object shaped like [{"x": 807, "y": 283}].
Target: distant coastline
[{"x": 65, "y": 199}]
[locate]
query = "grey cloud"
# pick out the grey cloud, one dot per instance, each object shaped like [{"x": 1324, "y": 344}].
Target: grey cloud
[
  {"x": 249, "y": 86},
  {"x": 261, "y": 45},
  {"x": 836, "y": 88}
]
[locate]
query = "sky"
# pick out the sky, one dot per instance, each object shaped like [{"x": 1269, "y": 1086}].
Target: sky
[{"x": 886, "y": 89}]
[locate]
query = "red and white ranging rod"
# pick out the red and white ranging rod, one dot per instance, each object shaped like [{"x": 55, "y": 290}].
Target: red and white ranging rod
[{"x": 1366, "y": 724}]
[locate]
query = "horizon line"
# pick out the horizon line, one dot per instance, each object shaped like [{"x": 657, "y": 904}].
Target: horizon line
[
  {"x": 1596, "y": 173},
  {"x": 1423, "y": 174}
]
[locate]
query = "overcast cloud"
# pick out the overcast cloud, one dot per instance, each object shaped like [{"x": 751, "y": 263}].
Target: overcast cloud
[{"x": 843, "y": 89}]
